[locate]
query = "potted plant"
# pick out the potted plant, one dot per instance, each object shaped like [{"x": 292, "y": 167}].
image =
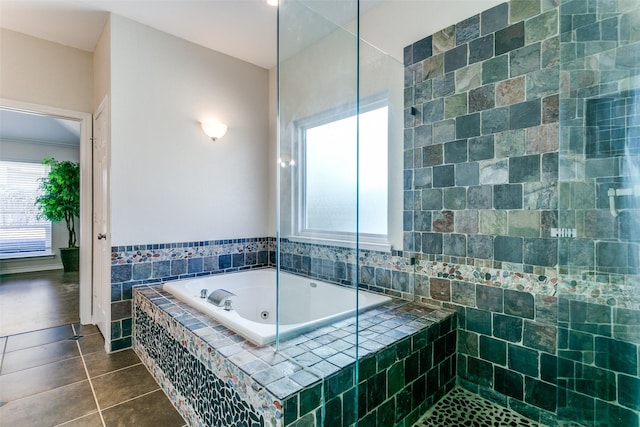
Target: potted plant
[{"x": 60, "y": 200}]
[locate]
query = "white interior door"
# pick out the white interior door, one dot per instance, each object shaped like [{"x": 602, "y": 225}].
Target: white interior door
[{"x": 101, "y": 238}]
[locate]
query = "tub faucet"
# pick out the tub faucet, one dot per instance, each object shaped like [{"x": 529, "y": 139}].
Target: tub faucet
[
  {"x": 227, "y": 305},
  {"x": 219, "y": 297},
  {"x": 203, "y": 293}
]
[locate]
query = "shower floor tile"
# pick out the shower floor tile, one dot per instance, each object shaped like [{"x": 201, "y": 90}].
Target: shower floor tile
[{"x": 462, "y": 408}]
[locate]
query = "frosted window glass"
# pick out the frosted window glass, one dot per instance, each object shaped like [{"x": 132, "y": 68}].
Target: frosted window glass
[{"x": 331, "y": 187}]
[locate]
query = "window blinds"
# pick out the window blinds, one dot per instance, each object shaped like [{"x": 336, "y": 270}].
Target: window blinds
[{"x": 21, "y": 232}]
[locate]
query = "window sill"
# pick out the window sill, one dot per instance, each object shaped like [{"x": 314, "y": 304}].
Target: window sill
[
  {"x": 380, "y": 247},
  {"x": 26, "y": 255}
]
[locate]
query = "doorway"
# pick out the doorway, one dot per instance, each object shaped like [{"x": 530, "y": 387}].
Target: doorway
[{"x": 84, "y": 120}]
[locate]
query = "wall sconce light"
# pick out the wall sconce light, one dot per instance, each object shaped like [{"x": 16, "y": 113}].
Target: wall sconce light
[
  {"x": 272, "y": 2},
  {"x": 214, "y": 130}
]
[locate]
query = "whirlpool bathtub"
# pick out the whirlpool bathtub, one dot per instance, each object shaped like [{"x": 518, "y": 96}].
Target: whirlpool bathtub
[{"x": 305, "y": 304}]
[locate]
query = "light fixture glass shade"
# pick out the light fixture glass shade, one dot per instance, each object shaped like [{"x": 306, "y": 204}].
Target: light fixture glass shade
[{"x": 214, "y": 130}]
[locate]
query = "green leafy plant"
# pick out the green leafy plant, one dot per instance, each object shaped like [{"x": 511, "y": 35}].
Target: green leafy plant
[{"x": 60, "y": 199}]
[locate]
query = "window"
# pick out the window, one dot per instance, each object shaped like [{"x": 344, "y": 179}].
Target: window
[
  {"x": 21, "y": 232},
  {"x": 327, "y": 180}
]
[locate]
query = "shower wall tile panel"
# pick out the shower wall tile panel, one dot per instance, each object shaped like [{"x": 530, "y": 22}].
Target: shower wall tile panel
[{"x": 538, "y": 103}]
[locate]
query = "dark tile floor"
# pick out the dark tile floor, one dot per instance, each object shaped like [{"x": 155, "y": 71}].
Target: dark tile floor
[
  {"x": 56, "y": 374},
  {"x": 38, "y": 300}
]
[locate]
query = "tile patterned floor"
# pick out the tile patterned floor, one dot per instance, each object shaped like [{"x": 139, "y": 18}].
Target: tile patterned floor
[
  {"x": 62, "y": 376},
  {"x": 462, "y": 408},
  {"x": 37, "y": 300}
]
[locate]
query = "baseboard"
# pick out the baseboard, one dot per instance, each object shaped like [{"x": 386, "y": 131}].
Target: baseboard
[{"x": 30, "y": 268}]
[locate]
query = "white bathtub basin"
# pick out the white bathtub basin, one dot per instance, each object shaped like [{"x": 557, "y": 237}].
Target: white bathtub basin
[{"x": 305, "y": 303}]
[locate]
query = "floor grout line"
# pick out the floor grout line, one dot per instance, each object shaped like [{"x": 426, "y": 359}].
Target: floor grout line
[
  {"x": 75, "y": 419},
  {"x": 86, "y": 370},
  {"x": 116, "y": 370},
  {"x": 134, "y": 398}
]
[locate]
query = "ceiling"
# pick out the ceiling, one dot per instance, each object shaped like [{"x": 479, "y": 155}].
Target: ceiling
[
  {"x": 19, "y": 126},
  {"x": 244, "y": 29}
]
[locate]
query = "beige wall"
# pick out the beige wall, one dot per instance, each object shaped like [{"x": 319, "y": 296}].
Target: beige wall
[
  {"x": 169, "y": 181},
  {"x": 102, "y": 67},
  {"x": 41, "y": 72}
]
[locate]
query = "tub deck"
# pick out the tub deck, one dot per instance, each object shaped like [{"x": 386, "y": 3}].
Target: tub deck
[{"x": 287, "y": 387}]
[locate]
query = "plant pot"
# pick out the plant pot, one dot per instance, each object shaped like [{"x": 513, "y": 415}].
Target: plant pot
[{"x": 70, "y": 259}]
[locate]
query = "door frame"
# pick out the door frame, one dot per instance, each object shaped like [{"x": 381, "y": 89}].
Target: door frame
[
  {"x": 104, "y": 279},
  {"x": 86, "y": 192}
]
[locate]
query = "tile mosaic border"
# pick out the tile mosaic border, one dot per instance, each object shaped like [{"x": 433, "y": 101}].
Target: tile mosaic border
[
  {"x": 612, "y": 290},
  {"x": 388, "y": 273}
]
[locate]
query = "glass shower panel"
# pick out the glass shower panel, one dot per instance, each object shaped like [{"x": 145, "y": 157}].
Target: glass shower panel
[
  {"x": 598, "y": 217},
  {"x": 317, "y": 191}
]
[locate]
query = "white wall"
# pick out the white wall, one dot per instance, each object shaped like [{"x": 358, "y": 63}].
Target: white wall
[
  {"x": 41, "y": 72},
  {"x": 169, "y": 182}
]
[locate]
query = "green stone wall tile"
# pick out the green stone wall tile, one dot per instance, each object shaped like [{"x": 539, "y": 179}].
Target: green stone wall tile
[
  {"x": 550, "y": 109},
  {"x": 594, "y": 47},
  {"x": 510, "y": 91},
  {"x": 468, "y": 78},
  {"x": 524, "y": 223},
  {"x": 564, "y": 196},
  {"x": 433, "y": 67},
  {"x": 496, "y": 69},
  {"x": 455, "y": 105},
  {"x": 549, "y": 4},
  {"x": 444, "y": 131},
  {"x": 455, "y": 198},
  {"x": 493, "y": 222},
  {"x": 466, "y": 222},
  {"x": 422, "y": 92},
  {"x": 408, "y": 97},
  {"x": 543, "y": 82},
  {"x": 582, "y": 78},
  {"x": 523, "y": 9},
  {"x": 444, "y": 40},
  {"x": 494, "y": 172},
  {"x": 599, "y": 224},
  {"x": 539, "y": 195},
  {"x": 567, "y": 53},
  {"x": 550, "y": 52},
  {"x": 578, "y": 223},
  {"x": 541, "y": 27},
  {"x": 583, "y": 195},
  {"x": 623, "y": 6},
  {"x": 630, "y": 27},
  {"x": 524, "y": 60},
  {"x": 542, "y": 139},
  {"x": 510, "y": 143}
]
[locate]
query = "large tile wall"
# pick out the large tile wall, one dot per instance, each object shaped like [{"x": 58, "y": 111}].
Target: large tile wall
[{"x": 495, "y": 143}]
